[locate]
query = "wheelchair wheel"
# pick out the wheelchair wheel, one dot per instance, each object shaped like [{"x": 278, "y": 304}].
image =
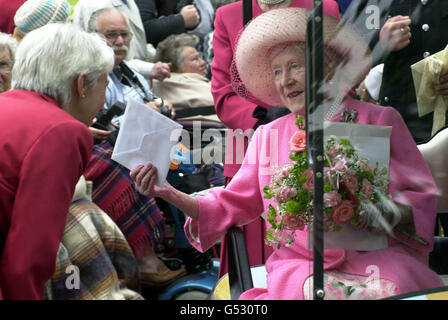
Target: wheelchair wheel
[{"x": 192, "y": 295}]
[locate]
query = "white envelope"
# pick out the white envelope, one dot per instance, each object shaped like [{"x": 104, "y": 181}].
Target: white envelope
[
  {"x": 372, "y": 142},
  {"x": 146, "y": 136}
]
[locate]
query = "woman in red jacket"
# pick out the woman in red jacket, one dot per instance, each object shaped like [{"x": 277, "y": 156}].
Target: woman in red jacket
[{"x": 45, "y": 145}]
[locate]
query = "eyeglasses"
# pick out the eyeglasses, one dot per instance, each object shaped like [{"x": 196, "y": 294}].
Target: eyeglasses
[{"x": 113, "y": 35}]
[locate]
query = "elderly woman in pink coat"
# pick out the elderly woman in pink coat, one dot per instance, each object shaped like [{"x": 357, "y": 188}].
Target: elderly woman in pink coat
[
  {"x": 236, "y": 112},
  {"x": 275, "y": 40}
]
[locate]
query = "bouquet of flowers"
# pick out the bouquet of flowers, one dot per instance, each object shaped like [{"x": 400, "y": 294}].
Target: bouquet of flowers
[{"x": 354, "y": 192}]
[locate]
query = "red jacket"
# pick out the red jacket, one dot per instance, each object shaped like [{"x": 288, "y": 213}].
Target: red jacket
[
  {"x": 43, "y": 152},
  {"x": 234, "y": 111},
  {"x": 7, "y": 13}
]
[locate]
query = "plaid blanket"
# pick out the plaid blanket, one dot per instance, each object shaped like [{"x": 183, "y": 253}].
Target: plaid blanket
[
  {"x": 94, "y": 260},
  {"x": 137, "y": 216}
]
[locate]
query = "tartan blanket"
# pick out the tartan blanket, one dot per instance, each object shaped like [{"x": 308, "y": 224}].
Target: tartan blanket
[
  {"x": 137, "y": 216},
  {"x": 94, "y": 260}
]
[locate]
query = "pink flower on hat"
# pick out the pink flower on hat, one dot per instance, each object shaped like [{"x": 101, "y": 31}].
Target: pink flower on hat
[{"x": 297, "y": 143}]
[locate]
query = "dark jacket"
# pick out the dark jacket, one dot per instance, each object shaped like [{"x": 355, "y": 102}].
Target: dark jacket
[
  {"x": 159, "y": 27},
  {"x": 428, "y": 29},
  {"x": 397, "y": 88}
]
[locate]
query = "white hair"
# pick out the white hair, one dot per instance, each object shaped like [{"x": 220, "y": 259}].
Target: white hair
[
  {"x": 92, "y": 25},
  {"x": 8, "y": 42},
  {"x": 50, "y": 58}
]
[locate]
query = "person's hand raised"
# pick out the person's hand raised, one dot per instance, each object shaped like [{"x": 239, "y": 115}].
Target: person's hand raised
[
  {"x": 161, "y": 71},
  {"x": 191, "y": 16},
  {"x": 396, "y": 33}
]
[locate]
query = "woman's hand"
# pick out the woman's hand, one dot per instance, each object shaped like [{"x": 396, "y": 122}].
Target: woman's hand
[
  {"x": 145, "y": 178},
  {"x": 153, "y": 105},
  {"x": 161, "y": 70},
  {"x": 191, "y": 16},
  {"x": 169, "y": 105},
  {"x": 156, "y": 106},
  {"x": 386, "y": 217},
  {"x": 396, "y": 33},
  {"x": 99, "y": 134}
]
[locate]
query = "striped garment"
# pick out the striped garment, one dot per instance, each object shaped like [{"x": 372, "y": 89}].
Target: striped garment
[
  {"x": 94, "y": 260},
  {"x": 137, "y": 216}
]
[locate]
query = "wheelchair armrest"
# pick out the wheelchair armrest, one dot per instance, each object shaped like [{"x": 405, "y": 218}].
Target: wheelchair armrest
[{"x": 240, "y": 277}]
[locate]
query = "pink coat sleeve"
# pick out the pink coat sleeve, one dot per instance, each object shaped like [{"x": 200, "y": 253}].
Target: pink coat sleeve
[
  {"x": 238, "y": 204},
  {"x": 48, "y": 176},
  {"x": 234, "y": 111},
  {"x": 411, "y": 182}
]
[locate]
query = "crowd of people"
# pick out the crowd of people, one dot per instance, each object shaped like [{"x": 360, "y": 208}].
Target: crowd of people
[{"x": 65, "y": 202}]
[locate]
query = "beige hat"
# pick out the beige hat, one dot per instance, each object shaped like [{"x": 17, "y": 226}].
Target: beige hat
[
  {"x": 37, "y": 13},
  {"x": 350, "y": 54}
]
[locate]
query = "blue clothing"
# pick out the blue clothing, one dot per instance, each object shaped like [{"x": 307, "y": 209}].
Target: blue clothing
[
  {"x": 118, "y": 91},
  {"x": 343, "y": 5}
]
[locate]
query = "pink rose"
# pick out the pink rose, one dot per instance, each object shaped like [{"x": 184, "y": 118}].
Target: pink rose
[
  {"x": 366, "y": 188},
  {"x": 333, "y": 152},
  {"x": 332, "y": 199},
  {"x": 285, "y": 170},
  {"x": 293, "y": 222},
  {"x": 343, "y": 213},
  {"x": 351, "y": 182},
  {"x": 309, "y": 183},
  {"x": 297, "y": 142},
  {"x": 284, "y": 194}
]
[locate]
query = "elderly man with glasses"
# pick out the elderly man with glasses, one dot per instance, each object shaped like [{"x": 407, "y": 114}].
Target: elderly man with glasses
[
  {"x": 137, "y": 216},
  {"x": 141, "y": 57},
  {"x": 124, "y": 82}
]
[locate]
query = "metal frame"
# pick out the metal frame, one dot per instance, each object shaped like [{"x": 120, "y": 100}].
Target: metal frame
[{"x": 314, "y": 127}]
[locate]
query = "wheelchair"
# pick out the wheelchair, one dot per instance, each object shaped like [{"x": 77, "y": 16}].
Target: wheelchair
[{"x": 191, "y": 176}]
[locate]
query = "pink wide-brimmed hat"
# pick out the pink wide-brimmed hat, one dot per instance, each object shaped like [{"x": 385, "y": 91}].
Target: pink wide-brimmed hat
[{"x": 350, "y": 55}]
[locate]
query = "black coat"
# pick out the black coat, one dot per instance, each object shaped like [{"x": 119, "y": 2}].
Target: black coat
[
  {"x": 397, "y": 89},
  {"x": 158, "y": 27}
]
